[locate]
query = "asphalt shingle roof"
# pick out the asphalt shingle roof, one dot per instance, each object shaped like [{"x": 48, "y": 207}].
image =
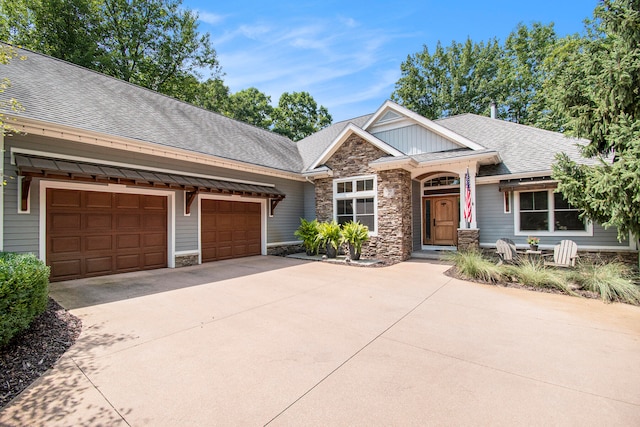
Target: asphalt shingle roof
[
  {"x": 522, "y": 148},
  {"x": 55, "y": 91},
  {"x": 314, "y": 145}
]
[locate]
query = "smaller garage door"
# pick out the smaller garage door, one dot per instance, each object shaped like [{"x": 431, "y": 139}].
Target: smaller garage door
[
  {"x": 92, "y": 233},
  {"x": 230, "y": 229}
]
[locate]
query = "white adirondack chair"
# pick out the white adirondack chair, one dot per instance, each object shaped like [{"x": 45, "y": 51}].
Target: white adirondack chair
[
  {"x": 506, "y": 250},
  {"x": 564, "y": 254}
]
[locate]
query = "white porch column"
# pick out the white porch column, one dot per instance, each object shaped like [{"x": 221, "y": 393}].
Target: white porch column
[{"x": 463, "y": 201}]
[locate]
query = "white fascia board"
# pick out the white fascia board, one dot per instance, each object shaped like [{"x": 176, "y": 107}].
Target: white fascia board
[
  {"x": 323, "y": 172},
  {"x": 403, "y": 163},
  {"x": 493, "y": 179},
  {"x": 342, "y": 137},
  {"x": 465, "y": 159},
  {"x": 430, "y": 125},
  {"x": 54, "y": 130}
]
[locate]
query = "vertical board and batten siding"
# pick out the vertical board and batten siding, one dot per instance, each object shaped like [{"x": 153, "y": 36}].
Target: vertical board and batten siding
[
  {"x": 21, "y": 230},
  {"x": 495, "y": 224},
  {"x": 416, "y": 201},
  {"x": 415, "y": 139}
]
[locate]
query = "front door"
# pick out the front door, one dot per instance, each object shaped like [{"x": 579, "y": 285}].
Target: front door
[{"x": 440, "y": 220}]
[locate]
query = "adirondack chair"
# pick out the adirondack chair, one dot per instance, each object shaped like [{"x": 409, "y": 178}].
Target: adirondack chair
[
  {"x": 564, "y": 254},
  {"x": 506, "y": 250}
]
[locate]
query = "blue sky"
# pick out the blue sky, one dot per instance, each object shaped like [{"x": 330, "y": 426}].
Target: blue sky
[{"x": 347, "y": 54}]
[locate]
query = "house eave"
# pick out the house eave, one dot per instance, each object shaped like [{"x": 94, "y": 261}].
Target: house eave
[
  {"x": 482, "y": 159},
  {"x": 406, "y": 163},
  {"x": 318, "y": 173},
  {"x": 68, "y": 133}
]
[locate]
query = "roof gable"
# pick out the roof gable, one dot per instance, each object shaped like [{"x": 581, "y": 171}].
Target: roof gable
[
  {"x": 392, "y": 116},
  {"x": 349, "y": 130}
]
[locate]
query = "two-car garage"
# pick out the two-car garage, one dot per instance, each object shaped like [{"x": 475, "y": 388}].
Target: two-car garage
[{"x": 94, "y": 233}]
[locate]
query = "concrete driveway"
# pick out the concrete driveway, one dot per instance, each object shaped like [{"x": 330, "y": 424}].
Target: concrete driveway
[{"x": 275, "y": 341}]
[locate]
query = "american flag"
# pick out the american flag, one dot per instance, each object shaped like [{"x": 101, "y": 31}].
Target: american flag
[{"x": 467, "y": 197}]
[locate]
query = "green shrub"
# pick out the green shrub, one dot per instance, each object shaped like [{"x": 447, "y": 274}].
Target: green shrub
[
  {"x": 533, "y": 273},
  {"x": 329, "y": 233},
  {"x": 24, "y": 289},
  {"x": 308, "y": 233},
  {"x": 613, "y": 281},
  {"x": 473, "y": 265},
  {"x": 355, "y": 234}
]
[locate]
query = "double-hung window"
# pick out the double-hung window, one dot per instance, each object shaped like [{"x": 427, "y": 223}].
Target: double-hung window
[
  {"x": 355, "y": 200},
  {"x": 547, "y": 211}
]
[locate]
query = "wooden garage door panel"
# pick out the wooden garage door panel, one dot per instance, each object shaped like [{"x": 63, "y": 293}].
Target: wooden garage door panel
[
  {"x": 65, "y": 198},
  {"x": 94, "y": 233},
  {"x": 96, "y": 200},
  {"x": 66, "y": 221},
  {"x": 230, "y": 229}
]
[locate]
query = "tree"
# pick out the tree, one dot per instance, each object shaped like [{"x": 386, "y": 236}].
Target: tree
[
  {"x": 599, "y": 90},
  {"x": 524, "y": 73},
  {"x": 152, "y": 43},
  {"x": 466, "y": 78},
  {"x": 251, "y": 106},
  {"x": 461, "y": 78},
  {"x": 298, "y": 116},
  {"x": 7, "y": 54}
]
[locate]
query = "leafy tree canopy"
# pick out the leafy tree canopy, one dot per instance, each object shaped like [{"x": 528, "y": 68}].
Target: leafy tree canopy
[
  {"x": 250, "y": 106},
  {"x": 467, "y": 77},
  {"x": 298, "y": 116},
  {"x": 598, "y": 89},
  {"x": 153, "y": 43}
]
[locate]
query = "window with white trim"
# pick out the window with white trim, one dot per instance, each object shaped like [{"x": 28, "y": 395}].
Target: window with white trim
[
  {"x": 355, "y": 200},
  {"x": 547, "y": 211}
]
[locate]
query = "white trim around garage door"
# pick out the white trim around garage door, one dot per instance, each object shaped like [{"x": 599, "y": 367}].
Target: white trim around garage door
[
  {"x": 110, "y": 188},
  {"x": 235, "y": 198}
]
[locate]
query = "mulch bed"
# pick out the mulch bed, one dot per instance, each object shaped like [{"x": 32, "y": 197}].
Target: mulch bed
[{"x": 33, "y": 352}]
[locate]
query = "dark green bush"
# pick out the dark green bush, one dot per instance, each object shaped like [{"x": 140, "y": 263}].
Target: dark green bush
[{"x": 24, "y": 289}]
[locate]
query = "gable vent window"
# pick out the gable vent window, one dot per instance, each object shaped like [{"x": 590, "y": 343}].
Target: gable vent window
[{"x": 355, "y": 200}]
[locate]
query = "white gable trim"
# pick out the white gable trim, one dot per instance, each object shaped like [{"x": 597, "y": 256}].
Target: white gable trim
[
  {"x": 346, "y": 132},
  {"x": 426, "y": 123}
]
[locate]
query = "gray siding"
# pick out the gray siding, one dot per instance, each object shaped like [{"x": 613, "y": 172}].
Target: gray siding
[
  {"x": 416, "y": 201},
  {"x": 285, "y": 221},
  {"x": 309, "y": 201},
  {"x": 21, "y": 231},
  {"x": 494, "y": 224},
  {"x": 186, "y": 226},
  {"x": 415, "y": 139}
]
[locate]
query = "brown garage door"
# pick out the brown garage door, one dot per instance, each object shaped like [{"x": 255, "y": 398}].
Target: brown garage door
[
  {"x": 229, "y": 229},
  {"x": 92, "y": 233}
]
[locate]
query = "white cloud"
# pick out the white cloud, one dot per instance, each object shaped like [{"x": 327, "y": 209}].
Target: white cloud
[{"x": 209, "y": 18}]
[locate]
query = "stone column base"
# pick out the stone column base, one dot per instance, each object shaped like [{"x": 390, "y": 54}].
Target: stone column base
[{"x": 468, "y": 239}]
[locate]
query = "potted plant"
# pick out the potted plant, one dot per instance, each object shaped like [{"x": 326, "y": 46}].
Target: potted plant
[
  {"x": 329, "y": 235},
  {"x": 308, "y": 233},
  {"x": 533, "y": 243},
  {"x": 355, "y": 234}
]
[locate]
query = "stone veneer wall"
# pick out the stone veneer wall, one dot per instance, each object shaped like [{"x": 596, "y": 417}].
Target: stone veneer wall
[
  {"x": 468, "y": 239},
  {"x": 394, "y": 198}
]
